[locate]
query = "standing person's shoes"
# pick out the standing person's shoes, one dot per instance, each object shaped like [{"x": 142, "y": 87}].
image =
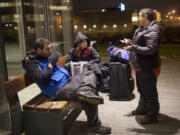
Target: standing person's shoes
[
  {"x": 147, "y": 120},
  {"x": 90, "y": 97},
  {"x": 99, "y": 130}
]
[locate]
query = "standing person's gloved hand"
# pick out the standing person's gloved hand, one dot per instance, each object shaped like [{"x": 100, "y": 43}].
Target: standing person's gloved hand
[{"x": 53, "y": 58}]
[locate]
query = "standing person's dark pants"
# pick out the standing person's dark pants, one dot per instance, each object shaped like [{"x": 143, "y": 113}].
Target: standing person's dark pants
[{"x": 148, "y": 102}]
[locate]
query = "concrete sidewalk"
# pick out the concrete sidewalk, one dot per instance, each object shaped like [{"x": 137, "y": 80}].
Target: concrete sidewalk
[{"x": 116, "y": 113}]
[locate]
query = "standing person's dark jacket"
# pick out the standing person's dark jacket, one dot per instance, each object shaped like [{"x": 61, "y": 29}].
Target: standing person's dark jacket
[{"x": 146, "y": 42}]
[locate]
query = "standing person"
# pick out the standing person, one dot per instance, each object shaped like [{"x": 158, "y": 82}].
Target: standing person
[
  {"x": 56, "y": 83},
  {"x": 146, "y": 62},
  {"x": 82, "y": 51}
]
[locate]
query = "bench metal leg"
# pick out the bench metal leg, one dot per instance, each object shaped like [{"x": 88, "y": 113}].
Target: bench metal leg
[{"x": 69, "y": 119}]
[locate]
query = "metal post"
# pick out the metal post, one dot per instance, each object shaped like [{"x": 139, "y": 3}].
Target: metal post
[
  {"x": 20, "y": 23},
  {"x": 38, "y": 11},
  {"x": 3, "y": 64},
  {"x": 5, "y": 120},
  {"x": 46, "y": 19},
  {"x": 67, "y": 25}
]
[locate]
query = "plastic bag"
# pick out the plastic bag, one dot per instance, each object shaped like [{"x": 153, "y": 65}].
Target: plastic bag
[{"x": 118, "y": 54}]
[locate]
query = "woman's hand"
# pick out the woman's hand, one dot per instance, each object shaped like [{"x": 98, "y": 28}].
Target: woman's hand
[
  {"x": 126, "y": 41},
  {"x": 128, "y": 48}
]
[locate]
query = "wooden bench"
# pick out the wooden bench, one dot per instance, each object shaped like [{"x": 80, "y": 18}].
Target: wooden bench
[{"x": 40, "y": 116}]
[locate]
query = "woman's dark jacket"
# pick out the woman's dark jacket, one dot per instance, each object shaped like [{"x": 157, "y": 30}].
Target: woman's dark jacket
[
  {"x": 146, "y": 43},
  {"x": 93, "y": 58}
]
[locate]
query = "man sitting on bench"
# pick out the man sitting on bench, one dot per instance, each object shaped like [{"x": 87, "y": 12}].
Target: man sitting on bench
[{"x": 56, "y": 83}]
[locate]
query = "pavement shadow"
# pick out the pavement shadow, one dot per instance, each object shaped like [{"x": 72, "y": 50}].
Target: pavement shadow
[
  {"x": 166, "y": 126},
  {"x": 79, "y": 128}
]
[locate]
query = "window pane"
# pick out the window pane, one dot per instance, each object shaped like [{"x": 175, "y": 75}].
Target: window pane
[{"x": 34, "y": 24}]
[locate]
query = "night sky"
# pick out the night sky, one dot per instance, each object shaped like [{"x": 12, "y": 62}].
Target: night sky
[{"x": 162, "y": 5}]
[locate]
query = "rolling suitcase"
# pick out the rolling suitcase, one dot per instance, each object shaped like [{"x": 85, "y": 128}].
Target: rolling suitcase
[{"x": 121, "y": 81}]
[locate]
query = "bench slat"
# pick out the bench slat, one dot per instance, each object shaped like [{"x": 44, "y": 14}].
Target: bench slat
[
  {"x": 44, "y": 106},
  {"x": 47, "y": 105},
  {"x": 37, "y": 100},
  {"x": 58, "y": 106},
  {"x": 42, "y": 103},
  {"x": 31, "y": 105},
  {"x": 62, "y": 61},
  {"x": 14, "y": 86}
]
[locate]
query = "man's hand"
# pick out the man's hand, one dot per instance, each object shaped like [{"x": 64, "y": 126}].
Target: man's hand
[
  {"x": 53, "y": 58},
  {"x": 50, "y": 65}
]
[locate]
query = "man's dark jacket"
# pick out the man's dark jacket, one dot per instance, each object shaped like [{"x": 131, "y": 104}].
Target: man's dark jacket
[
  {"x": 146, "y": 43},
  {"x": 49, "y": 80},
  {"x": 31, "y": 64}
]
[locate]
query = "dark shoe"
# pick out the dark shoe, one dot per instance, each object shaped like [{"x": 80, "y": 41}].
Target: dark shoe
[
  {"x": 90, "y": 97},
  {"x": 136, "y": 112},
  {"x": 100, "y": 130},
  {"x": 147, "y": 120}
]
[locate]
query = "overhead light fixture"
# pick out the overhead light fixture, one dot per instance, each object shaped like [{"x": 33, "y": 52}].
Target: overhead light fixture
[
  {"x": 114, "y": 26},
  {"x": 125, "y": 25},
  {"x": 85, "y": 26},
  {"x": 104, "y": 26},
  {"x": 75, "y": 26},
  {"x": 103, "y": 10}
]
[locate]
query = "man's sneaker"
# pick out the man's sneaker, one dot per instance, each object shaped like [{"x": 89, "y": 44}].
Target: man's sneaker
[
  {"x": 90, "y": 97},
  {"x": 100, "y": 130},
  {"x": 147, "y": 120},
  {"x": 136, "y": 112}
]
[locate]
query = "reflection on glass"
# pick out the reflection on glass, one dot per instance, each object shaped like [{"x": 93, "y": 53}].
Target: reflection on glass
[
  {"x": 34, "y": 22},
  {"x": 9, "y": 19},
  {"x": 55, "y": 22}
]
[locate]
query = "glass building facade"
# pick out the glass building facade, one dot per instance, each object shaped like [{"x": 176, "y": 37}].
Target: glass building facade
[{"x": 24, "y": 20}]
